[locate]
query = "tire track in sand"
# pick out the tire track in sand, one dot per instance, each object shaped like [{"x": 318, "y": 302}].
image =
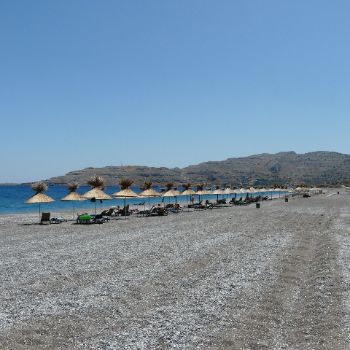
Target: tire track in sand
[{"x": 303, "y": 309}]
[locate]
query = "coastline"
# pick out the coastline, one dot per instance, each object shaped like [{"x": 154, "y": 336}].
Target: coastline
[
  {"x": 14, "y": 202},
  {"x": 67, "y": 213}
]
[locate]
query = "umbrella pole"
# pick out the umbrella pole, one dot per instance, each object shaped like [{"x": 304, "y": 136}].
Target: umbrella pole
[
  {"x": 39, "y": 212},
  {"x": 124, "y": 208}
]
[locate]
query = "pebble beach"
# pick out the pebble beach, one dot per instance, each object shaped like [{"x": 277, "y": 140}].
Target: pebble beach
[{"x": 277, "y": 277}]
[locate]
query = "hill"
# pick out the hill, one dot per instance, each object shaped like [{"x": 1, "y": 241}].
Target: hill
[{"x": 316, "y": 168}]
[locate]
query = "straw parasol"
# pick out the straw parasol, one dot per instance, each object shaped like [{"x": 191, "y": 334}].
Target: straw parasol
[
  {"x": 96, "y": 193},
  {"x": 218, "y": 192},
  {"x": 73, "y": 196},
  {"x": 271, "y": 190},
  {"x": 201, "y": 191},
  {"x": 228, "y": 190},
  {"x": 252, "y": 190},
  {"x": 169, "y": 191},
  {"x": 148, "y": 191},
  {"x": 262, "y": 190},
  {"x": 125, "y": 192},
  {"x": 177, "y": 192},
  {"x": 39, "y": 197},
  {"x": 170, "y": 194},
  {"x": 187, "y": 191}
]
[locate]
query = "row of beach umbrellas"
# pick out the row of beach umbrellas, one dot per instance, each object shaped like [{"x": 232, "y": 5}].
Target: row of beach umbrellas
[{"x": 96, "y": 194}]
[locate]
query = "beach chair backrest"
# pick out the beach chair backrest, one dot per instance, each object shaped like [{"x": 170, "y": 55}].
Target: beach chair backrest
[{"x": 45, "y": 218}]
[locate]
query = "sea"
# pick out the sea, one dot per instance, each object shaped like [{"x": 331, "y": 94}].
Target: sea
[{"x": 13, "y": 197}]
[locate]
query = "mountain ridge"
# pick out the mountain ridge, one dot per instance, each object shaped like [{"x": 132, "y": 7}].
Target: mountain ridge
[{"x": 312, "y": 168}]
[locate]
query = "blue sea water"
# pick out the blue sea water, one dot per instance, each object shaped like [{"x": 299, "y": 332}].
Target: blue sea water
[{"x": 12, "y": 199}]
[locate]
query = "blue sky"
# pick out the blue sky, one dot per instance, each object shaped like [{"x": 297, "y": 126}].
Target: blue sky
[{"x": 169, "y": 83}]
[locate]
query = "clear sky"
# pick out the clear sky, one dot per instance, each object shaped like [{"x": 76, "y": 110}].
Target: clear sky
[{"x": 169, "y": 83}]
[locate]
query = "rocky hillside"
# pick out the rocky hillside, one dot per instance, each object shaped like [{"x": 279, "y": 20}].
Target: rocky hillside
[
  {"x": 112, "y": 174},
  {"x": 318, "y": 168}
]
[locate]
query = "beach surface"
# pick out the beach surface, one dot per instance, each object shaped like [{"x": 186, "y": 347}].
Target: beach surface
[{"x": 277, "y": 277}]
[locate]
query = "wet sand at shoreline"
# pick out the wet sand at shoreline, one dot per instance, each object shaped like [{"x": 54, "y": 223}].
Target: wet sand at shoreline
[{"x": 233, "y": 278}]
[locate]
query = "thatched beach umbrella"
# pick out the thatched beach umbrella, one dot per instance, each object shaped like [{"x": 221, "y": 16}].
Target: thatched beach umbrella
[
  {"x": 73, "y": 196},
  {"x": 125, "y": 192},
  {"x": 188, "y": 192},
  {"x": 169, "y": 191},
  {"x": 244, "y": 191},
  {"x": 96, "y": 193},
  {"x": 177, "y": 192},
  {"x": 39, "y": 197},
  {"x": 169, "y": 194},
  {"x": 218, "y": 192},
  {"x": 262, "y": 190},
  {"x": 271, "y": 190},
  {"x": 235, "y": 191},
  {"x": 201, "y": 191},
  {"x": 228, "y": 190},
  {"x": 279, "y": 189},
  {"x": 148, "y": 191},
  {"x": 252, "y": 191}
]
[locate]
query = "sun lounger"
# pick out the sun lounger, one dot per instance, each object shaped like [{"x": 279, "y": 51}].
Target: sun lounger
[
  {"x": 57, "y": 220},
  {"x": 45, "y": 219},
  {"x": 84, "y": 219},
  {"x": 91, "y": 219},
  {"x": 239, "y": 202},
  {"x": 124, "y": 211},
  {"x": 109, "y": 212},
  {"x": 99, "y": 219},
  {"x": 209, "y": 205},
  {"x": 197, "y": 206},
  {"x": 155, "y": 211},
  {"x": 173, "y": 208}
]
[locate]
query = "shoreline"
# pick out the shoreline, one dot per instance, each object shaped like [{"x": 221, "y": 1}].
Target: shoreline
[
  {"x": 68, "y": 212},
  {"x": 33, "y": 208}
]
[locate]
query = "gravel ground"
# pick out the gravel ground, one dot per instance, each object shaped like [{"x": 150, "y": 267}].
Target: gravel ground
[{"x": 234, "y": 278}]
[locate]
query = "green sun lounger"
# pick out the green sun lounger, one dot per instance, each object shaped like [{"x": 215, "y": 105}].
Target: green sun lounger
[{"x": 84, "y": 219}]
